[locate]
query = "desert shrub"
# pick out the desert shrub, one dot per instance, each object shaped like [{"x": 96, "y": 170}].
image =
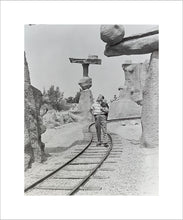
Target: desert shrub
[
  {"x": 63, "y": 106},
  {"x": 75, "y": 99},
  {"x": 54, "y": 98}
]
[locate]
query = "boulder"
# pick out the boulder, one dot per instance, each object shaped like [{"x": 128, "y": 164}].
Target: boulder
[
  {"x": 112, "y": 34},
  {"x": 85, "y": 83}
]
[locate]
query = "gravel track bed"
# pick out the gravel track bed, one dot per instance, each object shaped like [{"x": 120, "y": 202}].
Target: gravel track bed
[{"x": 129, "y": 169}]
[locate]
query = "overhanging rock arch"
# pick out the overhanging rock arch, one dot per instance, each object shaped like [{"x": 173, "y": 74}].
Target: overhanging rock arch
[{"x": 143, "y": 43}]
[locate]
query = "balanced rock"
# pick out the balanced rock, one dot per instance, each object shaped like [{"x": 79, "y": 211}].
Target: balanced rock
[
  {"x": 85, "y": 83},
  {"x": 141, "y": 43},
  {"x": 112, "y": 34}
]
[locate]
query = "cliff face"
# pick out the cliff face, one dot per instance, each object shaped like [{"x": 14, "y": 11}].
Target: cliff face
[
  {"x": 131, "y": 93},
  {"x": 33, "y": 126}
]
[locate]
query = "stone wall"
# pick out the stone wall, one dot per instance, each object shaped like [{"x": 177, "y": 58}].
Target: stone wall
[{"x": 33, "y": 126}]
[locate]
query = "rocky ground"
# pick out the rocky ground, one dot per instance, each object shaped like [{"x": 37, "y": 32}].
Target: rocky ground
[
  {"x": 58, "y": 143},
  {"x": 135, "y": 171}
]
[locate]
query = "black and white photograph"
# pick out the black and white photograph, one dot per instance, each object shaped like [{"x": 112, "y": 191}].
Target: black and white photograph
[{"x": 91, "y": 109}]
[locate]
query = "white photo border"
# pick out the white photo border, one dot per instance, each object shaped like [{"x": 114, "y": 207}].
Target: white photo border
[{"x": 168, "y": 15}]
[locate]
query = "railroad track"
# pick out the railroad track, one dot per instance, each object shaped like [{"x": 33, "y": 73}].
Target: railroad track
[
  {"x": 89, "y": 155},
  {"x": 67, "y": 178}
]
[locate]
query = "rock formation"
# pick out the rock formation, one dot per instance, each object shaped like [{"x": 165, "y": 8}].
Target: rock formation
[
  {"x": 33, "y": 125},
  {"x": 55, "y": 118},
  {"x": 147, "y": 42},
  {"x": 150, "y": 111},
  {"x": 86, "y": 97},
  {"x": 130, "y": 94},
  {"x": 85, "y": 103},
  {"x": 137, "y": 44},
  {"x": 124, "y": 106},
  {"x": 135, "y": 74}
]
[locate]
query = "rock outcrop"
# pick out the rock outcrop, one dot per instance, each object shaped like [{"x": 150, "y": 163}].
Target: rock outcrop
[
  {"x": 150, "y": 120},
  {"x": 135, "y": 46},
  {"x": 85, "y": 103},
  {"x": 33, "y": 125},
  {"x": 142, "y": 43},
  {"x": 135, "y": 74},
  {"x": 124, "y": 106},
  {"x": 130, "y": 94},
  {"x": 147, "y": 42}
]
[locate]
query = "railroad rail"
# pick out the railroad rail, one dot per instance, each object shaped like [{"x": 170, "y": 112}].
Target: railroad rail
[
  {"x": 80, "y": 158},
  {"x": 73, "y": 161}
]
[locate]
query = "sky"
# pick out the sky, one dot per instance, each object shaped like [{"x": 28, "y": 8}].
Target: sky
[{"x": 48, "y": 48}]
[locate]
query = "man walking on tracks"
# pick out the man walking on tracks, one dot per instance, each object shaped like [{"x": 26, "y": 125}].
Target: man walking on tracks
[{"x": 100, "y": 111}]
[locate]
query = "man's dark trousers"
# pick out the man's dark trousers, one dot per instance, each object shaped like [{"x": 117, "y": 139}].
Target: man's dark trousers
[{"x": 98, "y": 127}]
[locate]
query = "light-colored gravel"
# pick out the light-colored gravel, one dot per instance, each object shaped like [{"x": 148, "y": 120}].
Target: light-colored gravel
[{"x": 129, "y": 170}]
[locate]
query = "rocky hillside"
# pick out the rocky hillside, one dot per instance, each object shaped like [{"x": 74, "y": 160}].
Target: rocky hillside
[{"x": 54, "y": 118}]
